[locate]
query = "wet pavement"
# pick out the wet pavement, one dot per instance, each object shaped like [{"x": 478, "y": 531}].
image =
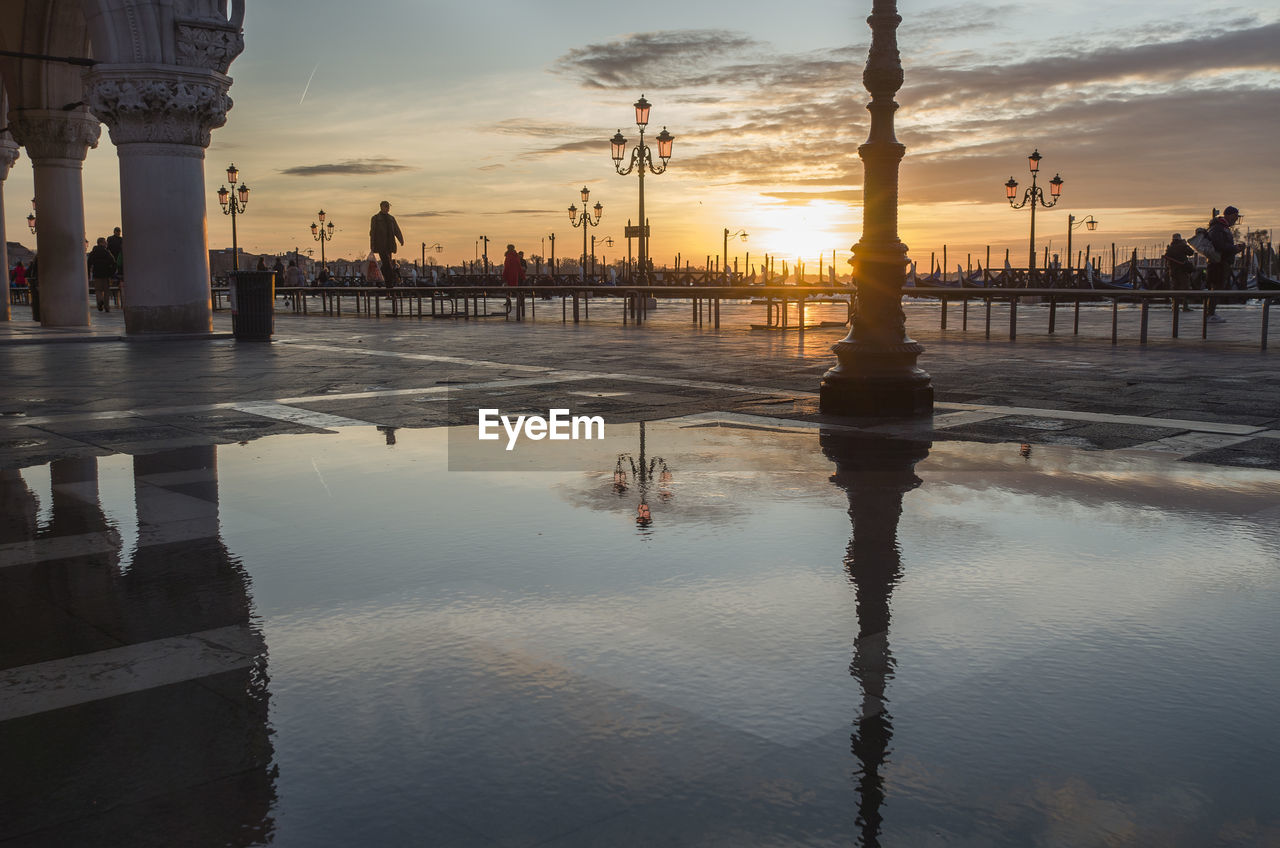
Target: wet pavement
[{"x": 253, "y": 596}]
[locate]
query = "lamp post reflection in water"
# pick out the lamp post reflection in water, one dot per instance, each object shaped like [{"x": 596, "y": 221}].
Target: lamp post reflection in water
[
  {"x": 644, "y": 473},
  {"x": 874, "y": 473}
]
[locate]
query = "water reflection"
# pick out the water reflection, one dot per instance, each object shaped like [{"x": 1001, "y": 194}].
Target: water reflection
[
  {"x": 874, "y": 473},
  {"x": 650, "y": 476},
  {"x": 134, "y": 708}
]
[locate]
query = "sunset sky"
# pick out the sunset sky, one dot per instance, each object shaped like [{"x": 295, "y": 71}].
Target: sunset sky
[{"x": 488, "y": 118}]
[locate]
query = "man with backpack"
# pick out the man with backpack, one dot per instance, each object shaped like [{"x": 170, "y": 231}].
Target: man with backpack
[{"x": 1223, "y": 241}]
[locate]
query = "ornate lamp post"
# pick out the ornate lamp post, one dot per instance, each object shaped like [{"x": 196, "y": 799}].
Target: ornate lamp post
[
  {"x": 234, "y": 206},
  {"x": 742, "y": 234},
  {"x": 642, "y": 158},
  {"x": 585, "y": 222},
  {"x": 322, "y": 233},
  {"x": 877, "y": 373},
  {"x": 1072, "y": 224},
  {"x": 605, "y": 241},
  {"x": 552, "y": 238},
  {"x": 484, "y": 239},
  {"x": 437, "y": 247},
  {"x": 1034, "y": 195}
]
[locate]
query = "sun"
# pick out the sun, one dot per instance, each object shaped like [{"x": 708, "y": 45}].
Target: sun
[{"x": 807, "y": 232}]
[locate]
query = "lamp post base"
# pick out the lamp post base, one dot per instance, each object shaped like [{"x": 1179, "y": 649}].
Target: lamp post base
[{"x": 876, "y": 381}]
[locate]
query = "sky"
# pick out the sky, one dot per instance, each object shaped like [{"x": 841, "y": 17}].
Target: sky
[{"x": 487, "y": 119}]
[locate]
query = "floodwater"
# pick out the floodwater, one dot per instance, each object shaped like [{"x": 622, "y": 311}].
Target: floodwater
[{"x": 751, "y": 636}]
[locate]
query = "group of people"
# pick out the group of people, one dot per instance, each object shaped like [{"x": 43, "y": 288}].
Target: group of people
[
  {"x": 1222, "y": 252},
  {"x": 106, "y": 263}
]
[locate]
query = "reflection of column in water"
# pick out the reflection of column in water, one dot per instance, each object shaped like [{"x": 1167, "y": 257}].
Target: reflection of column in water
[
  {"x": 185, "y": 758},
  {"x": 18, "y": 508},
  {"x": 875, "y": 473},
  {"x": 183, "y": 579}
]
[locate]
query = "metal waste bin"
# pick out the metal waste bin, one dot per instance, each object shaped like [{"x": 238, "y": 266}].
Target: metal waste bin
[{"x": 253, "y": 296}]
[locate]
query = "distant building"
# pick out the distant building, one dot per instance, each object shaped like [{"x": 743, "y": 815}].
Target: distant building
[{"x": 19, "y": 253}]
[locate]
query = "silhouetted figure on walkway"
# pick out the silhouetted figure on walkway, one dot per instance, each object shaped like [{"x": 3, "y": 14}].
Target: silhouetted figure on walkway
[
  {"x": 115, "y": 244},
  {"x": 1178, "y": 258},
  {"x": 512, "y": 267},
  {"x": 102, "y": 267},
  {"x": 384, "y": 232},
  {"x": 1224, "y": 242}
]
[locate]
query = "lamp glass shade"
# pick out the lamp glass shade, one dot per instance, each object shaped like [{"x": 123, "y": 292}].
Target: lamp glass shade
[
  {"x": 31, "y": 221},
  {"x": 330, "y": 225},
  {"x": 599, "y": 211},
  {"x": 664, "y": 144},
  {"x": 314, "y": 228},
  {"x": 320, "y": 215},
  {"x": 1055, "y": 185},
  {"x": 642, "y": 112},
  {"x": 586, "y": 195},
  {"x": 1034, "y": 161},
  {"x": 244, "y": 194},
  {"x": 619, "y": 145},
  {"x": 223, "y": 194},
  {"x": 1091, "y": 224},
  {"x": 573, "y": 212},
  {"x": 1011, "y": 188},
  {"x": 233, "y": 174}
]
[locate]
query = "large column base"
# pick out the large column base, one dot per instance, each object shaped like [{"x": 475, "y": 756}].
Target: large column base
[
  {"x": 876, "y": 381},
  {"x": 191, "y": 318}
]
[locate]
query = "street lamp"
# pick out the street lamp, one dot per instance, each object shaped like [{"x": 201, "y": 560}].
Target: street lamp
[
  {"x": 740, "y": 234},
  {"x": 437, "y": 247},
  {"x": 642, "y": 158},
  {"x": 1034, "y": 195},
  {"x": 234, "y": 206},
  {"x": 322, "y": 233},
  {"x": 877, "y": 374},
  {"x": 606, "y": 241},
  {"x": 484, "y": 239},
  {"x": 1072, "y": 224},
  {"x": 584, "y": 221}
]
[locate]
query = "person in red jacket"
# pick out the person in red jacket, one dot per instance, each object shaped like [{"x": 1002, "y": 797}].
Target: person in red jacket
[{"x": 512, "y": 267}]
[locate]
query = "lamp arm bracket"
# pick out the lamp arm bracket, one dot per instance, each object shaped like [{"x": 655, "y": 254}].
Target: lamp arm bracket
[{"x": 630, "y": 167}]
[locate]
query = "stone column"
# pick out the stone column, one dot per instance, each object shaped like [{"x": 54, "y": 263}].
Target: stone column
[
  {"x": 877, "y": 375},
  {"x": 160, "y": 118},
  {"x": 57, "y": 142},
  {"x": 8, "y": 155}
]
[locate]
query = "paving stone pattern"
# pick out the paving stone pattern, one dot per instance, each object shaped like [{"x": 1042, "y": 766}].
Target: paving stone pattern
[{"x": 59, "y": 398}]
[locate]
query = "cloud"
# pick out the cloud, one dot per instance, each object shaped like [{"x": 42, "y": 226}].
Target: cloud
[
  {"x": 375, "y": 165},
  {"x": 428, "y": 214},
  {"x": 654, "y": 60},
  {"x": 803, "y": 198},
  {"x": 524, "y": 212},
  {"x": 1127, "y": 113}
]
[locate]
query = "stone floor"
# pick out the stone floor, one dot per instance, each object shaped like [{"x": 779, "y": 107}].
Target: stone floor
[{"x": 1212, "y": 400}]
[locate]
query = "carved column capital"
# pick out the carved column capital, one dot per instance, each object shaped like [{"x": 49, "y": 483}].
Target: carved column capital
[
  {"x": 208, "y": 44},
  {"x": 55, "y": 134},
  {"x": 159, "y": 104},
  {"x": 8, "y": 154}
]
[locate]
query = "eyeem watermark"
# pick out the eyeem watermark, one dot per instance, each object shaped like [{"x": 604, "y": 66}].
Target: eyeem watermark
[{"x": 558, "y": 426}]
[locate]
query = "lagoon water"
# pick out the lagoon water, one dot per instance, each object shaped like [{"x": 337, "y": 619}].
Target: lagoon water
[{"x": 813, "y": 639}]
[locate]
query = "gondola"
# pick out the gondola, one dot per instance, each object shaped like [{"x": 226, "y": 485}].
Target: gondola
[{"x": 1266, "y": 283}]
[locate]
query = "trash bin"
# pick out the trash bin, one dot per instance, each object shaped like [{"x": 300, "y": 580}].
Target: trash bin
[{"x": 253, "y": 296}]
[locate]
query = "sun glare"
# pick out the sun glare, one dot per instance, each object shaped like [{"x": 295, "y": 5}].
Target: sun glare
[{"x": 804, "y": 232}]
